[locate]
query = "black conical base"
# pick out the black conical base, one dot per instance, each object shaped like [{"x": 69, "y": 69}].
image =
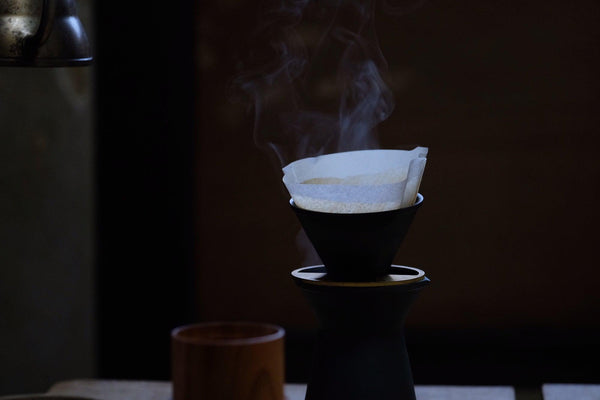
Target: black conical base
[
  {"x": 357, "y": 247},
  {"x": 360, "y": 352}
]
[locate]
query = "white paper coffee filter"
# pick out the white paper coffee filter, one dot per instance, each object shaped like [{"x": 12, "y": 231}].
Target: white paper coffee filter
[{"x": 356, "y": 181}]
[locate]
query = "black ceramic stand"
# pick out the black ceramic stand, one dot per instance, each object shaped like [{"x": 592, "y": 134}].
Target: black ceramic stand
[{"x": 360, "y": 352}]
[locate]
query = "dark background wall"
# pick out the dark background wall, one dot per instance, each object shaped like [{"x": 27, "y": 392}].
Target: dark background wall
[
  {"x": 506, "y": 97},
  {"x": 47, "y": 320},
  {"x": 144, "y": 183},
  {"x": 193, "y": 221}
]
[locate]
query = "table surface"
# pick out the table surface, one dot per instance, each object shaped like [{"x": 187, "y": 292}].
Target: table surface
[
  {"x": 138, "y": 390},
  {"x": 154, "y": 390},
  {"x": 556, "y": 391}
]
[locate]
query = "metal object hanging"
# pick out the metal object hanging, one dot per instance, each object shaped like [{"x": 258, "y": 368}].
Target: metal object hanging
[{"x": 42, "y": 33}]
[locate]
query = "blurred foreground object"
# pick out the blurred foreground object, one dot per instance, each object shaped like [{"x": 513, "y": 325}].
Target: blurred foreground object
[{"x": 42, "y": 33}]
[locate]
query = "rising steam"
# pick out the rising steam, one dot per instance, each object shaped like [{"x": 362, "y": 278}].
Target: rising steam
[{"x": 314, "y": 78}]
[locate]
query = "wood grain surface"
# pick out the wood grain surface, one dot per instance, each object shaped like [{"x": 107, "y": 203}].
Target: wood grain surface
[{"x": 228, "y": 361}]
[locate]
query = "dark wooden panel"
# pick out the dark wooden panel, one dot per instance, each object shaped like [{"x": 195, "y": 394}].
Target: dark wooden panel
[
  {"x": 506, "y": 97},
  {"x": 145, "y": 190}
]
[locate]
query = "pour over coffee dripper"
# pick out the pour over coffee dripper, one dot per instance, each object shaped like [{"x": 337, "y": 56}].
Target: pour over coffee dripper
[
  {"x": 357, "y": 247},
  {"x": 360, "y": 301}
]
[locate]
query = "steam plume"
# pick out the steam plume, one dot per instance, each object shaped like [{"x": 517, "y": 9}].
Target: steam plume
[{"x": 314, "y": 78}]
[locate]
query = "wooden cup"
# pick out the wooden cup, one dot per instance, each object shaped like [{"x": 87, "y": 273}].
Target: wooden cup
[{"x": 227, "y": 361}]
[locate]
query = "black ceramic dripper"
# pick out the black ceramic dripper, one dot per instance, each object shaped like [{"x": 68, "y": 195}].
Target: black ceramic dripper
[{"x": 357, "y": 247}]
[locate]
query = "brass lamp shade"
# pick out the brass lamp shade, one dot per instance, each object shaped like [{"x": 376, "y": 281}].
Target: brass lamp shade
[{"x": 42, "y": 33}]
